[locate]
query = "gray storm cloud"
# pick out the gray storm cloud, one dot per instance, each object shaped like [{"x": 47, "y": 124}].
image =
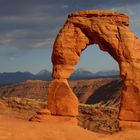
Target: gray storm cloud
[{"x": 32, "y": 24}]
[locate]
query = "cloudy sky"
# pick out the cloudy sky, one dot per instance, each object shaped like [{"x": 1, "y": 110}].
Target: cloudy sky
[{"x": 28, "y": 29}]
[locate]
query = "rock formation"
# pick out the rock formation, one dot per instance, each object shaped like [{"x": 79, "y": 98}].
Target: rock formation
[
  {"x": 61, "y": 99},
  {"x": 43, "y": 114},
  {"x": 110, "y": 30}
]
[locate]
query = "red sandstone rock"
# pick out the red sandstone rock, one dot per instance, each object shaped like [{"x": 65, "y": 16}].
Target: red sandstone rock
[
  {"x": 129, "y": 124},
  {"x": 2, "y": 104},
  {"x": 61, "y": 99},
  {"x": 42, "y": 115},
  {"x": 56, "y": 129},
  {"x": 39, "y": 118},
  {"x": 44, "y": 111},
  {"x": 110, "y": 30}
]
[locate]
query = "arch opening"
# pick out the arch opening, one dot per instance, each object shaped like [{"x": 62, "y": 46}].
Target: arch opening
[
  {"x": 96, "y": 60},
  {"x": 99, "y": 77}
]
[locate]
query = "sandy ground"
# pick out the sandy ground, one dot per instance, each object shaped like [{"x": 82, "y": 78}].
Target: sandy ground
[
  {"x": 16, "y": 129},
  {"x": 13, "y": 128}
]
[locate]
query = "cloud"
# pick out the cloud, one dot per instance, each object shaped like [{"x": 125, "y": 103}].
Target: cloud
[
  {"x": 26, "y": 39},
  {"x": 33, "y": 24},
  {"x": 65, "y": 6},
  {"x": 43, "y": 43},
  {"x": 27, "y": 31},
  {"x": 11, "y": 58}
]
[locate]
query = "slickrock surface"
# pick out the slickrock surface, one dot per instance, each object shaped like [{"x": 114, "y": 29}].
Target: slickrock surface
[
  {"x": 98, "y": 117},
  {"x": 15, "y": 129},
  {"x": 110, "y": 30}
]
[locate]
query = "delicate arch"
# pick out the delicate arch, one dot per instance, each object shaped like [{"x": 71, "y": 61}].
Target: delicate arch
[{"x": 110, "y": 30}]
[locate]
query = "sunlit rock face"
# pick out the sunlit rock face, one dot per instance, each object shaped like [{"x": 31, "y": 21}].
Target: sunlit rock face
[
  {"x": 110, "y": 30},
  {"x": 61, "y": 100}
]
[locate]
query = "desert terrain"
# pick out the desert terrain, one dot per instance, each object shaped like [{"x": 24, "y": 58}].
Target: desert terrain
[
  {"x": 98, "y": 112},
  {"x": 99, "y": 101},
  {"x": 102, "y": 90},
  {"x": 14, "y": 125}
]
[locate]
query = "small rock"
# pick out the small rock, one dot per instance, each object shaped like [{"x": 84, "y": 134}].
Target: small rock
[{"x": 44, "y": 112}]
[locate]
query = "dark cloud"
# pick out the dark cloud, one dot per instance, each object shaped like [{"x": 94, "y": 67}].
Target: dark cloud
[
  {"x": 20, "y": 7},
  {"x": 34, "y": 23}
]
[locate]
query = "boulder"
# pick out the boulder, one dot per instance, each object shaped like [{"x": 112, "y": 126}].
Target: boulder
[
  {"x": 42, "y": 115},
  {"x": 61, "y": 100}
]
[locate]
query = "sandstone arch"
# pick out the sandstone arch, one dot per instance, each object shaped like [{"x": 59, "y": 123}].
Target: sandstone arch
[{"x": 110, "y": 30}]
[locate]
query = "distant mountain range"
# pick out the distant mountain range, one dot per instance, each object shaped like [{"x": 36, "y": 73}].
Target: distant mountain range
[
  {"x": 79, "y": 74},
  {"x": 17, "y": 77}
]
